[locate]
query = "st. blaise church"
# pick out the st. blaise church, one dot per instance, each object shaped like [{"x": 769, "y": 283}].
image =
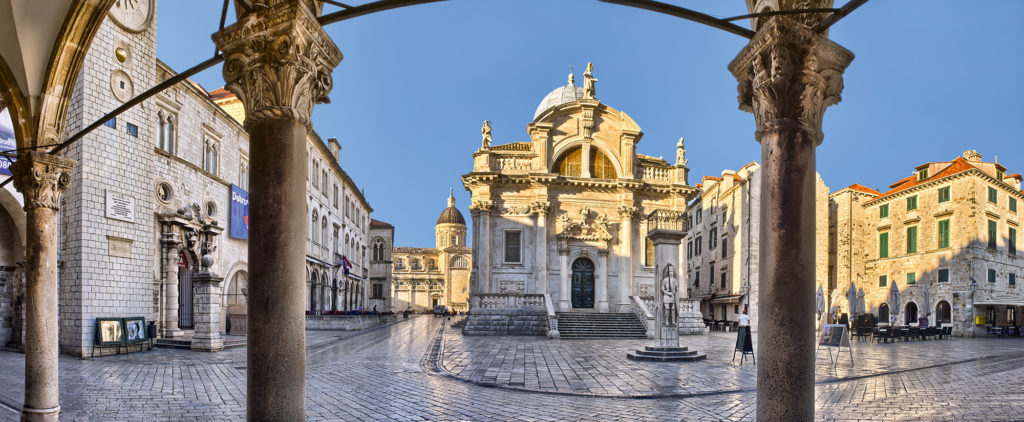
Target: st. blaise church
[{"x": 563, "y": 213}]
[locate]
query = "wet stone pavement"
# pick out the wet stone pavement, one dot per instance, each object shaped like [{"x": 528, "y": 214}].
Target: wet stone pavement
[{"x": 414, "y": 370}]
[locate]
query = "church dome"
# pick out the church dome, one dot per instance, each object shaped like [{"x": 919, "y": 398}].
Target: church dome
[
  {"x": 561, "y": 95},
  {"x": 451, "y": 215}
]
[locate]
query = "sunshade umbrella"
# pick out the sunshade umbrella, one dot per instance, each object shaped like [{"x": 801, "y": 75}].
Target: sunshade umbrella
[
  {"x": 819, "y": 304},
  {"x": 860, "y": 300},
  {"x": 894, "y": 299},
  {"x": 926, "y": 298},
  {"x": 851, "y": 299}
]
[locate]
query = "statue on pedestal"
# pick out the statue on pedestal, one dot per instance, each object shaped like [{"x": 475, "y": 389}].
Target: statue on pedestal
[
  {"x": 589, "y": 90},
  {"x": 669, "y": 289},
  {"x": 486, "y": 132}
]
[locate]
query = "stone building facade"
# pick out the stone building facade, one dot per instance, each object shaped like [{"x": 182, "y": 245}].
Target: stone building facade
[
  {"x": 722, "y": 246},
  {"x": 952, "y": 226},
  {"x": 429, "y": 277},
  {"x": 563, "y": 213},
  {"x": 155, "y": 190},
  {"x": 382, "y": 242}
]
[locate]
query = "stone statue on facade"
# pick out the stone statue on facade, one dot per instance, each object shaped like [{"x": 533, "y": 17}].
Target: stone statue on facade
[
  {"x": 669, "y": 289},
  {"x": 680, "y": 153},
  {"x": 486, "y": 132},
  {"x": 589, "y": 90}
]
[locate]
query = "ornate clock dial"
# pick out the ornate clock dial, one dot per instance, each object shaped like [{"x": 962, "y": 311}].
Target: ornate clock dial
[{"x": 132, "y": 15}]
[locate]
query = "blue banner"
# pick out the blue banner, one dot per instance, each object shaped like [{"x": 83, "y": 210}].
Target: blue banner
[
  {"x": 7, "y": 142},
  {"x": 239, "y": 224}
]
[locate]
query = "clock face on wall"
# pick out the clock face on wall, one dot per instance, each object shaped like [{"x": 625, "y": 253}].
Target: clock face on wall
[{"x": 132, "y": 15}]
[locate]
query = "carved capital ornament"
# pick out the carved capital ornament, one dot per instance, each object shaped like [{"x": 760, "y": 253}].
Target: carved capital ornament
[
  {"x": 42, "y": 178},
  {"x": 788, "y": 75},
  {"x": 278, "y": 61}
]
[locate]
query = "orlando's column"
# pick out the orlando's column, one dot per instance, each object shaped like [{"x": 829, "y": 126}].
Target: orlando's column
[
  {"x": 278, "y": 61},
  {"x": 42, "y": 179},
  {"x": 788, "y": 75}
]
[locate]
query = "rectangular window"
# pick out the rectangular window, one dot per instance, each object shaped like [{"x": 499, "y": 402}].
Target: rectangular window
[
  {"x": 1013, "y": 279},
  {"x": 697, "y": 245},
  {"x": 944, "y": 194},
  {"x": 132, "y": 130},
  {"x": 912, "y": 203},
  {"x": 713, "y": 239},
  {"x": 922, "y": 174},
  {"x": 943, "y": 234},
  {"x": 378, "y": 291},
  {"x": 513, "y": 244},
  {"x": 112, "y": 123},
  {"x": 912, "y": 239},
  {"x": 723, "y": 280},
  {"x": 993, "y": 196},
  {"x": 1013, "y": 204},
  {"x": 1000, "y": 175},
  {"x": 911, "y": 278},
  {"x": 648, "y": 252},
  {"x": 883, "y": 281},
  {"x": 689, "y": 249},
  {"x": 725, "y": 250},
  {"x": 991, "y": 276},
  {"x": 883, "y": 211},
  {"x": 1013, "y": 241},
  {"x": 944, "y": 275},
  {"x": 992, "y": 229},
  {"x": 696, "y": 279},
  {"x": 698, "y": 214},
  {"x": 883, "y": 245}
]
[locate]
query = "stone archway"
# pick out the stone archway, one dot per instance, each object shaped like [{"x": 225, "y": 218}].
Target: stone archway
[
  {"x": 883, "y": 312},
  {"x": 236, "y": 303},
  {"x": 910, "y": 313},
  {"x": 943, "y": 314}
]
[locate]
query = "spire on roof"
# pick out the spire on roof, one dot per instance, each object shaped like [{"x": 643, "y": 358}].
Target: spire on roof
[{"x": 451, "y": 196}]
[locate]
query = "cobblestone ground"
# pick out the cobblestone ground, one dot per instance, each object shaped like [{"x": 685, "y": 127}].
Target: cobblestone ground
[{"x": 407, "y": 371}]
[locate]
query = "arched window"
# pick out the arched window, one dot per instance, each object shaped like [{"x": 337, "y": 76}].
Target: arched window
[
  {"x": 883, "y": 313},
  {"x": 171, "y": 135},
  {"x": 313, "y": 232},
  {"x": 162, "y": 133},
  {"x": 571, "y": 164},
  {"x": 942, "y": 314},
  {"x": 459, "y": 262},
  {"x": 325, "y": 182},
  {"x": 601, "y": 167},
  {"x": 323, "y": 229},
  {"x": 378, "y": 249},
  {"x": 210, "y": 161}
]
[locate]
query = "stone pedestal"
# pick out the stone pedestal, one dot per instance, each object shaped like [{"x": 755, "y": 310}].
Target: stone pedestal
[{"x": 206, "y": 299}]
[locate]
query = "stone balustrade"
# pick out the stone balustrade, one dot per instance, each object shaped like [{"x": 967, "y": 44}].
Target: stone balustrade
[
  {"x": 658, "y": 174},
  {"x": 509, "y": 314},
  {"x": 641, "y": 307},
  {"x": 532, "y": 302},
  {"x": 552, "y": 318}
]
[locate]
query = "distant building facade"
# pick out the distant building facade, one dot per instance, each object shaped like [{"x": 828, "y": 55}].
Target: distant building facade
[
  {"x": 953, "y": 226},
  {"x": 563, "y": 213},
  {"x": 428, "y": 277},
  {"x": 382, "y": 242}
]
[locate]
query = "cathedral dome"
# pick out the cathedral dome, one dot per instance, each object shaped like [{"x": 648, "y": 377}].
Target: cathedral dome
[
  {"x": 451, "y": 215},
  {"x": 561, "y": 95}
]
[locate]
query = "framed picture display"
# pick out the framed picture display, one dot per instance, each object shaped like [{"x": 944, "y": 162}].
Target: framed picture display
[
  {"x": 110, "y": 331},
  {"x": 135, "y": 330}
]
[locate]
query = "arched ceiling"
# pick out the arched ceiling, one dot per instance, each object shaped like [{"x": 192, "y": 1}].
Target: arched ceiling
[{"x": 29, "y": 31}]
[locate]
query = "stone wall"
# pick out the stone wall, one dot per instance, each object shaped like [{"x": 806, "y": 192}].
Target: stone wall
[
  {"x": 346, "y": 322},
  {"x": 506, "y": 322}
]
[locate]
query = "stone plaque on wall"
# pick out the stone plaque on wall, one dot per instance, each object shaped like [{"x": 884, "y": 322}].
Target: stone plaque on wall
[
  {"x": 512, "y": 286},
  {"x": 119, "y": 247},
  {"x": 120, "y": 206}
]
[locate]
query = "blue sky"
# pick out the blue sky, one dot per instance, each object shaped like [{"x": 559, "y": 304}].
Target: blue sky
[{"x": 931, "y": 78}]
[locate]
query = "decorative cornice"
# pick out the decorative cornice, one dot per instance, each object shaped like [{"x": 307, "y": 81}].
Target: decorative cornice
[
  {"x": 788, "y": 75},
  {"x": 42, "y": 178},
  {"x": 278, "y": 61}
]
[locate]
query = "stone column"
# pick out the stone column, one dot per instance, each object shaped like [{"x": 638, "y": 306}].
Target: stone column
[
  {"x": 585, "y": 162},
  {"x": 666, "y": 266},
  {"x": 206, "y": 293},
  {"x": 627, "y": 215},
  {"x": 488, "y": 285},
  {"x": 41, "y": 178},
  {"x": 788, "y": 75},
  {"x": 565, "y": 294},
  {"x": 601, "y": 287},
  {"x": 474, "y": 275},
  {"x": 278, "y": 62},
  {"x": 171, "y": 245},
  {"x": 542, "y": 209}
]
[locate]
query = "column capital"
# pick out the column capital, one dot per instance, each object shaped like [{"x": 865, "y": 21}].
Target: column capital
[
  {"x": 278, "y": 61},
  {"x": 42, "y": 178},
  {"x": 788, "y": 75},
  {"x": 478, "y": 207},
  {"x": 541, "y": 208},
  {"x": 628, "y": 213}
]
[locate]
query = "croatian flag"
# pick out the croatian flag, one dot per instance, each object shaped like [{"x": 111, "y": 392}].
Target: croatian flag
[{"x": 345, "y": 265}]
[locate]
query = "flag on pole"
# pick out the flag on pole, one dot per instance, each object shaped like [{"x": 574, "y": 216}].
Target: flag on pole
[{"x": 344, "y": 264}]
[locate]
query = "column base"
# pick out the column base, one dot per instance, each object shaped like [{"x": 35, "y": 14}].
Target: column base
[
  {"x": 29, "y": 414},
  {"x": 207, "y": 345},
  {"x": 602, "y": 306}
]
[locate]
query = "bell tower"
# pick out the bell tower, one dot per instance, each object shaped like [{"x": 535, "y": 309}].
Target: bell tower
[{"x": 451, "y": 226}]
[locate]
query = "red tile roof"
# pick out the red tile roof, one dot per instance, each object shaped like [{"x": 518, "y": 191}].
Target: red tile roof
[
  {"x": 861, "y": 188},
  {"x": 378, "y": 223},
  {"x": 220, "y": 93},
  {"x": 959, "y": 165}
]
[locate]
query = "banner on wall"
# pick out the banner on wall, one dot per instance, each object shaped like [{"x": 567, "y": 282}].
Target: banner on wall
[
  {"x": 239, "y": 224},
  {"x": 7, "y": 142}
]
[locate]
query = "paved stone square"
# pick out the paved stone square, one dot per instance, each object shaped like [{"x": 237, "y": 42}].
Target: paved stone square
[{"x": 413, "y": 370}]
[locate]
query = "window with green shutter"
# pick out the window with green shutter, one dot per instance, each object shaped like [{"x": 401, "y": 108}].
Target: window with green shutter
[
  {"x": 991, "y": 276},
  {"x": 993, "y": 195},
  {"x": 943, "y": 234},
  {"x": 883, "y": 281},
  {"x": 992, "y": 228},
  {"x": 883, "y": 211},
  {"x": 912, "y": 203},
  {"x": 944, "y": 275},
  {"x": 1013, "y": 204},
  {"x": 912, "y": 239},
  {"x": 911, "y": 278},
  {"x": 922, "y": 174},
  {"x": 1013, "y": 241},
  {"x": 1013, "y": 279},
  {"x": 883, "y": 245},
  {"x": 944, "y": 195}
]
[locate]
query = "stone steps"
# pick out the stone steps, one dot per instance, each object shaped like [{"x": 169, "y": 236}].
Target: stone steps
[
  {"x": 665, "y": 354},
  {"x": 173, "y": 343},
  {"x": 593, "y": 325}
]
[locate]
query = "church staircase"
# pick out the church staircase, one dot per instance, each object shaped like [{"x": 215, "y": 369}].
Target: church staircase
[{"x": 595, "y": 325}]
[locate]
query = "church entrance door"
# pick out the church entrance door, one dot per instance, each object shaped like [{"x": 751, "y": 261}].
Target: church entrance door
[{"x": 582, "y": 283}]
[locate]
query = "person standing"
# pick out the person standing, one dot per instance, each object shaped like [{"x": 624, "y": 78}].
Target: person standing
[{"x": 744, "y": 319}]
